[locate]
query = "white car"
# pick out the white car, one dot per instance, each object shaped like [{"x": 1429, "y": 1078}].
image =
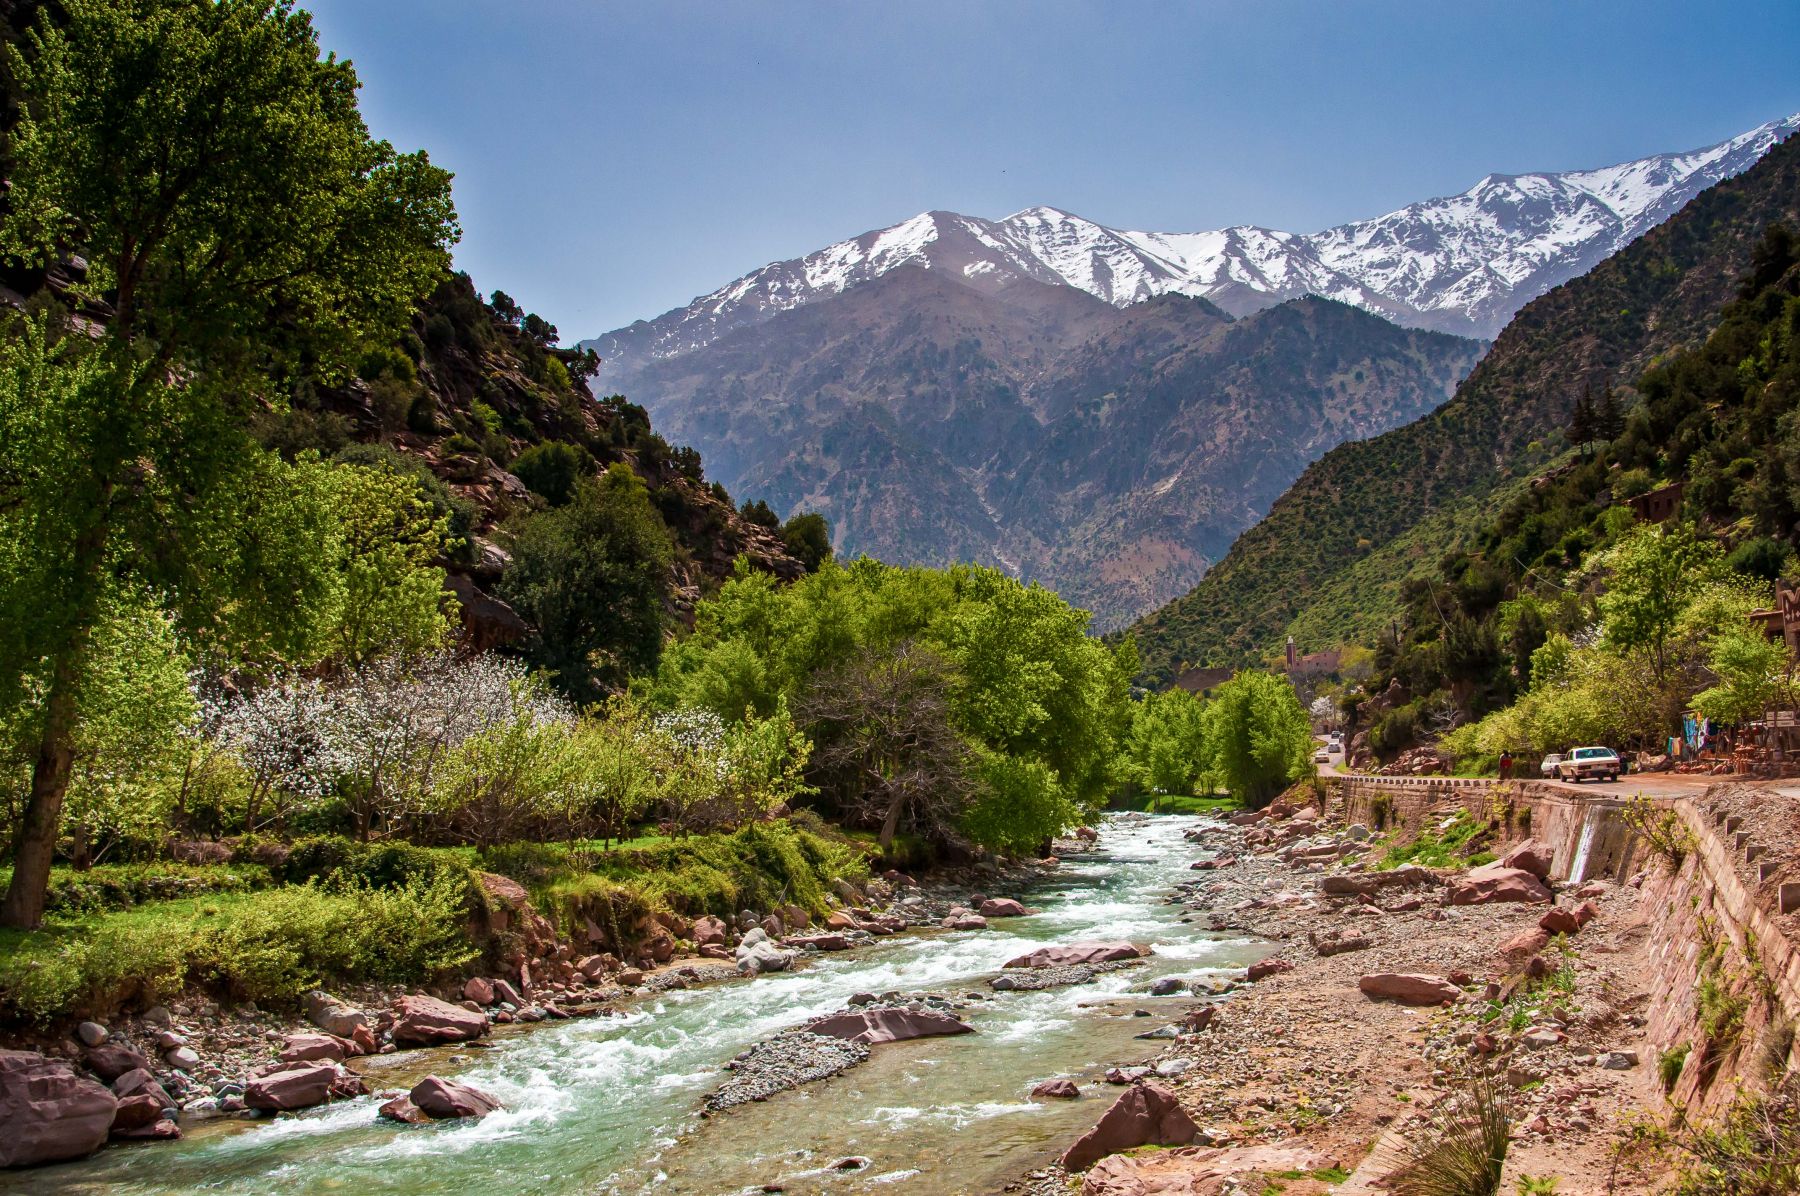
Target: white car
[
  {"x": 1548, "y": 767},
  {"x": 1322, "y": 756},
  {"x": 1601, "y": 763}
]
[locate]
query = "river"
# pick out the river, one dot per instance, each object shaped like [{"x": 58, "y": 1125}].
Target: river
[{"x": 610, "y": 1105}]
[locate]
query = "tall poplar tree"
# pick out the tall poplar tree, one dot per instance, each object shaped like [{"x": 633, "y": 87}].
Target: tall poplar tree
[{"x": 241, "y": 231}]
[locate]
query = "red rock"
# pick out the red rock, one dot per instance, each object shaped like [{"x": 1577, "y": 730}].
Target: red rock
[
  {"x": 714, "y": 951},
  {"x": 1496, "y": 882},
  {"x": 443, "y": 1099},
  {"x": 302, "y": 1087},
  {"x": 1197, "y": 1171},
  {"x": 49, "y": 1113},
  {"x": 1001, "y": 907},
  {"x": 1533, "y": 856},
  {"x": 630, "y": 977},
  {"x": 1147, "y": 1114},
  {"x": 139, "y": 1081},
  {"x": 709, "y": 931},
  {"x": 1559, "y": 919},
  {"x": 479, "y": 989},
  {"x": 311, "y": 1048},
  {"x": 888, "y": 1025},
  {"x": 819, "y": 942},
  {"x": 660, "y": 946},
  {"x": 965, "y": 922},
  {"x": 402, "y": 1109},
  {"x": 110, "y": 1060},
  {"x": 136, "y": 1112},
  {"x": 1586, "y": 912},
  {"x": 1264, "y": 968},
  {"x": 427, "y": 1021},
  {"x": 161, "y": 1130},
  {"x": 1525, "y": 944},
  {"x": 362, "y": 1040},
  {"x": 1077, "y": 953},
  {"x": 1056, "y": 1090},
  {"x": 1408, "y": 988}
]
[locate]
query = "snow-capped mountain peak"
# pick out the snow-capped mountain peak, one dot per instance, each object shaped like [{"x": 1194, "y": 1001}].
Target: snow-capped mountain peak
[{"x": 1460, "y": 263}]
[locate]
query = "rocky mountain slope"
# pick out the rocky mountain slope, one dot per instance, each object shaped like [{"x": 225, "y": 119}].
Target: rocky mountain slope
[
  {"x": 1463, "y": 263},
  {"x": 1109, "y": 452},
  {"x": 1328, "y": 562}
]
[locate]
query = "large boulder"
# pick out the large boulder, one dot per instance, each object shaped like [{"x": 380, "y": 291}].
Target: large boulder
[
  {"x": 1055, "y": 1090},
  {"x": 888, "y": 1025},
  {"x": 709, "y": 931},
  {"x": 48, "y": 1112},
  {"x": 1001, "y": 907},
  {"x": 1408, "y": 988},
  {"x": 302, "y": 1087},
  {"x": 1496, "y": 882},
  {"x": 312, "y": 1048},
  {"x": 136, "y": 1112},
  {"x": 427, "y": 1021},
  {"x": 110, "y": 1060},
  {"x": 762, "y": 956},
  {"x": 139, "y": 1082},
  {"x": 443, "y": 1099},
  {"x": 1197, "y": 1171},
  {"x": 1352, "y": 884},
  {"x": 1147, "y": 1114},
  {"x": 478, "y": 989},
  {"x": 1533, "y": 855},
  {"x": 1077, "y": 953}
]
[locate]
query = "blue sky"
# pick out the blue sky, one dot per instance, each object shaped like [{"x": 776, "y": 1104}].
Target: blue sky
[{"x": 614, "y": 161}]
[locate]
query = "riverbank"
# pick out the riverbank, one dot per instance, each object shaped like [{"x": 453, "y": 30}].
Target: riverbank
[
  {"x": 615, "y": 1100},
  {"x": 1304, "y": 1061}
]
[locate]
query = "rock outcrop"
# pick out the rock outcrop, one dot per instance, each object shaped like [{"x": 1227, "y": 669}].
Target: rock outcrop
[
  {"x": 427, "y": 1021},
  {"x": 872, "y": 1026},
  {"x": 1077, "y": 953},
  {"x": 49, "y": 1113},
  {"x": 1148, "y": 1114}
]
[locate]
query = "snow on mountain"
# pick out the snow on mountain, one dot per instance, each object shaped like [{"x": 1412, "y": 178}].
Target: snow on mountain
[{"x": 1461, "y": 263}]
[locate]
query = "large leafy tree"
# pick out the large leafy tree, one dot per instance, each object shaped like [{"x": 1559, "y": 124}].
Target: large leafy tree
[
  {"x": 241, "y": 230},
  {"x": 1258, "y": 740}
]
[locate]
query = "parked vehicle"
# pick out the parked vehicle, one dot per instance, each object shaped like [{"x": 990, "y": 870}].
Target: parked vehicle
[
  {"x": 1584, "y": 762},
  {"x": 1548, "y": 767}
]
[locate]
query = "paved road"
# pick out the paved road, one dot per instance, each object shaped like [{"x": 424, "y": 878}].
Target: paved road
[{"x": 1652, "y": 784}]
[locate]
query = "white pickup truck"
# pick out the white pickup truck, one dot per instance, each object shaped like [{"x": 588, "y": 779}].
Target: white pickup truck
[{"x": 1584, "y": 762}]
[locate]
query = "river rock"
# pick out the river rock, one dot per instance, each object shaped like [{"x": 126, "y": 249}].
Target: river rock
[
  {"x": 302, "y": 1087},
  {"x": 443, "y": 1099},
  {"x": 965, "y": 922},
  {"x": 1077, "y": 953},
  {"x": 888, "y": 1025},
  {"x": 818, "y": 942},
  {"x": 110, "y": 1060},
  {"x": 92, "y": 1033},
  {"x": 401, "y": 1109},
  {"x": 709, "y": 931},
  {"x": 1147, "y": 1114},
  {"x": 1496, "y": 882},
  {"x": 139, "y": 1082},
  {"x": 1164, "y": 986},
  {"x": 1056, "y": 1090},
  {"x": 136, "y": 1112},
  {"x": 1408, "y": 988},
  {"x": 1559, "y": 919},
  {"x": 426, "y": 1021},
  {"x": 1264, "y": 968},
  {"x": 333, "y": 1016},
  {"x": 1533, "y": 856},
  {"x": 1523, "y": 945},
  {"x": 49, "y": 1113},
  {"x": 1351, "y": 884},
  {"x": 479, "y": 989},
  {"x": 762, "y": 956},
  {"x": 183, "y": 1058},
  {"x": 1001, "y": 907},
  {"x": 312, "y": 1048},
  {"x": 1197, "y": 1171}
]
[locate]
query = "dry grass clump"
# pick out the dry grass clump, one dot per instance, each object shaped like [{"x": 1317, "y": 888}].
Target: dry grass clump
[{"x": 1459, "y": 1150}]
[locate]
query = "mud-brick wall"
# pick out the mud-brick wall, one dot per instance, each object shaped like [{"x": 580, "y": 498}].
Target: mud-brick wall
[
  {"x": 1587, "y": 835},
  {"x": 1703, "y": 921}
]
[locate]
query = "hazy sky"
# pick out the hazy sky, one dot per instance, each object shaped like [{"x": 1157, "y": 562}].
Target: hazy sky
[{"x": 615, "y": 160}]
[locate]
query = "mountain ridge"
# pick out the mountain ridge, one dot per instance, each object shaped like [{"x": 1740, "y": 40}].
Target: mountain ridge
[{"x": 1462, "y": 263}]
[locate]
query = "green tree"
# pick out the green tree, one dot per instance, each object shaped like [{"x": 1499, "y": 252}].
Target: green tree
[
  {"x": 1656, "y": 571},
  {"x": 1167, "y": 743},
  {"x": 808, "y": 538},
  {"x": 1258, "y": 740},
  {"x": 552, "y": 469},
  {"x": 242, "y": 228},
  {"x": 592, "y": 578}
]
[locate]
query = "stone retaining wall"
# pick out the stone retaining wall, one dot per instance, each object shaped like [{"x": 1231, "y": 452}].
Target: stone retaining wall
[{"x": 1702, "y": 920}]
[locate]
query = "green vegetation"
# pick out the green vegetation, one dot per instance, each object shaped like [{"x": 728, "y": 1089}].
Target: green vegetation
[
  {"x": 1460, "y": 1150},
  {"x": 1445, "y": 847},
  {"x": 1670, "y": 1063},
  {"x": 1332, "y": 559}
]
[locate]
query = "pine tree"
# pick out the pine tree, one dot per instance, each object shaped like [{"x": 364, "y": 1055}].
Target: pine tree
[
  {"x": 1609, "y": 417},
  {"x": 1580, "y": 429}
]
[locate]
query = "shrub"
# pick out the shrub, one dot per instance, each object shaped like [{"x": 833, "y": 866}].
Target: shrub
[
  {"x": 1670, "y": 1063},
  {"x": 1461, "y": 1149}
]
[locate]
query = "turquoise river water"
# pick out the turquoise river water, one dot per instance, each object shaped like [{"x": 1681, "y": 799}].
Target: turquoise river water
[{"x": 610, "y": 1105}]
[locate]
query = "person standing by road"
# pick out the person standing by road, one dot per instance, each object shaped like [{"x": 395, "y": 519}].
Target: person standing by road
[{"x": 1506, "y": 765}]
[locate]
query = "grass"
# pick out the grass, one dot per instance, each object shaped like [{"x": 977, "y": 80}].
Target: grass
[
  {"x": 1446, "y": 847},
  {"x": 270, "y": 945},
  {"x": 120, "y": 886},
  {"x": 1670, "y": 1063},
  {"x": 1176, "y": 803},
  {"x": 1461, "y": 1149}
]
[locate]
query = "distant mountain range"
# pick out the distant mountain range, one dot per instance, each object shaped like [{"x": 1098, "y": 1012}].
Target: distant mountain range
[
  {"x": 1461, "y": 263},
  {"x": 1106, "y": 410}
]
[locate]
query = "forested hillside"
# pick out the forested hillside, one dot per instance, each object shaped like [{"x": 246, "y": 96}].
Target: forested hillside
[{"x": 1330, "y": 559}]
